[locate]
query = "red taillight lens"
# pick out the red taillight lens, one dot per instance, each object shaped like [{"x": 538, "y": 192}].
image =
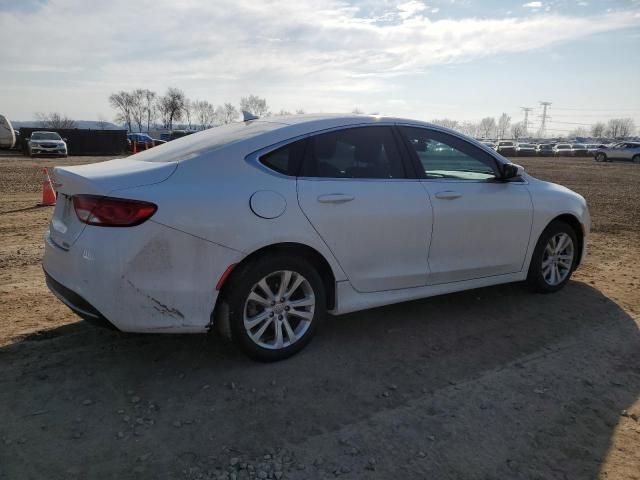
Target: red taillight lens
[{"x": 112, "y": 212}]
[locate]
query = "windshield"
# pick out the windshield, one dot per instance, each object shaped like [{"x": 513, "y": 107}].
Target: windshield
[
  {"x": 45, "y": 136},
  {"x": 212, "y": 139},
  {"x": 525, "y": 145},
  {"x": 563, "y": 147}
]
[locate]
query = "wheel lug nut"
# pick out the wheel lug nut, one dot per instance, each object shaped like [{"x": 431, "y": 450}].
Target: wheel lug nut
[
  {"x": 282, "y": 300},
  {"x": 287, "y": 308},
  {"x": 273, "y": 303},
  {"x": 279, "y": 317},
  {"x": 271, "y": 314}
]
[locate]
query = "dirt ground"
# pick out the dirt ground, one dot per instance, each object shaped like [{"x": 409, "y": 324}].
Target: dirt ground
[{"x": 495, "y": 383}]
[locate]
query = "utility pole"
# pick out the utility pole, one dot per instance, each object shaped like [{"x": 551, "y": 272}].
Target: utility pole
[
  {"x": 545, "y": 118},
  {"x": 526, "y": 111}
]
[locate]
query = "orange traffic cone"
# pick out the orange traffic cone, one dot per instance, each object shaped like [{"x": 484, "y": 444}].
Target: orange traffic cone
[{"x": 48, "y": 193}]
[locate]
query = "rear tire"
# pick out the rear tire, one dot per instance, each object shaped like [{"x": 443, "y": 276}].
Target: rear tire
[
  {"x": 271, "y": 322},
  {"x": 601, "y": 157},
  {"x": 636, "y": 159},
  {"x": 554, "y": 258}
]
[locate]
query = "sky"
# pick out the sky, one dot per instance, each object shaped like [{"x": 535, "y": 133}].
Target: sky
[{"x": 459, "y": 59}]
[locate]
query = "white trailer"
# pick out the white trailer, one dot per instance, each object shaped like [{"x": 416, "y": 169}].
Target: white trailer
[{"x": 7, "y": 135}]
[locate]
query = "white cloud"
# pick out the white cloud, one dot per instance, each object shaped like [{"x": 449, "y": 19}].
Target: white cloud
[
  {"x": 532, "y": 5},
  {"x": 304, "y": 53}
]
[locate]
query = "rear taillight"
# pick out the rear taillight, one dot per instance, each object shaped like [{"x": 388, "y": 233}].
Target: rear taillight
[{"x": 112, "y": 212}]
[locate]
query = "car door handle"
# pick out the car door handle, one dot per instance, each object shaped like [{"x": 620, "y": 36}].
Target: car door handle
[
  {"x": 448, "y": 195},
  {"x": 335, "y": 198}
]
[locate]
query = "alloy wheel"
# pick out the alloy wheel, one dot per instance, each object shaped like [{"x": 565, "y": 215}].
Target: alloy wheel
[
  {"x": 557, "y": 259},
  {"x": 279, "y": 309}
]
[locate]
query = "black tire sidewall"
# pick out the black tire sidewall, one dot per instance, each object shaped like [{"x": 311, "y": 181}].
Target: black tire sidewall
[
  {"x": 535, "y": 278},
  {"x": 240, "y": 286}
]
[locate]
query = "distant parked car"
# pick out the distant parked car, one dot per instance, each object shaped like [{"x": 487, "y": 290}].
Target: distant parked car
[
  {"x": 545, "y": 149},
  {"x": 46, "y": 143},
  {"x": 563, "y": 150},
  {"x": 525, "y": 149},
  {"x": 579, "y": 150},
  {"x": 179, "y": 134},
  {"x": 619, "y": 151},
  {"x": 506, "y": 148},
  {"x": 142, "y": 141},
  {"x": 592, "y": 148},
  {"x": 490, "y": 145}
]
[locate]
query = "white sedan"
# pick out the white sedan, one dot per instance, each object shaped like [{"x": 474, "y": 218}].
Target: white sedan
[{"x": 259, "y": 228}]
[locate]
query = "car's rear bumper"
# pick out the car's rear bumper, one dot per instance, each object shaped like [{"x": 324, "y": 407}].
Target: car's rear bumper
[
  {"x": 148, "y": 278},
  {"x": 77, "y": 304}
]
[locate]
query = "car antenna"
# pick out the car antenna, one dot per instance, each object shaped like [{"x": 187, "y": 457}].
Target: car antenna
[{"x": 247, "y": 116}]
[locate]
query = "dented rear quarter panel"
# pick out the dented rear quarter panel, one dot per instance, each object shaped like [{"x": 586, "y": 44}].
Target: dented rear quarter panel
[{"x": 146, "y": 278}]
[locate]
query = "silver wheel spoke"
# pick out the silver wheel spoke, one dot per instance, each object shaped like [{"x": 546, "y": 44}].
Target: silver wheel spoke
[
  {"x": 303, "y": 302},
  {"x": 250, "y": 323},
  {"x": 278, "y": 340},
  {"x": 294, "y": 286},
  {"x": 254, "y": 297},
  {"x": 290, "y": 334},
  {"x": 261, "y": 330},
  {"x": 302, "y": 314},
  {"x": 266, "y": 289},
  {"x": 285, "y": 278}
]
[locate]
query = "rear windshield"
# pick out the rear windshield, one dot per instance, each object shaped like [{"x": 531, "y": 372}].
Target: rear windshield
[
  {"x": 45, "y": 136},
  {"x": 212, "y": 139}
]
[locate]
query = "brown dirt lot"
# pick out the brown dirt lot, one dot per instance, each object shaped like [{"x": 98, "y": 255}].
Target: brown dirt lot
[{"x": 494, "y": 383}]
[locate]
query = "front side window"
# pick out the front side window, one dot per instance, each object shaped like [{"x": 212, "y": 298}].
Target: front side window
[
  {"x": 445, "y": 156},
  {"x": 362, "y": 152}
]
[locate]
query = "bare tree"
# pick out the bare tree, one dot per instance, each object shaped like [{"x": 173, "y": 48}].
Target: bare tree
[
  {"x": 487, "y": 127},
  {"x": 598, "y": 129},
  {"x": 300, "y": 111},
  {"x": 188, "y": 110},
  {"x": 123, "y": 103},
  {"x": 55, "y": 120},
  {"x": 620, "y": 127},
  {"x": 254, "y": 105},
  {"x": 578, "y": 132},
  {"x": 204, "y": 113},
  {"x": 517, "y": 130},
  {"x": 171, "y": 106},
  {"x": 357, "y": 111},
  {"x": 226, "y": 113},
  {"x": 470, "y": 128},
  {"x": 102, "y": 122},
  {"x": 284, "y": 112},
  {"x": 447, "y": 123},
  {"x": 150, "y": 109},
  {"x": 503, "y": 125},
  {"x": 627, "y": 127},
  {"x": 138, "y": 107}
]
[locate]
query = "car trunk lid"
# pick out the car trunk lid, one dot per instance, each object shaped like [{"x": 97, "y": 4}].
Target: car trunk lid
[{"x": 104, "y": 178}]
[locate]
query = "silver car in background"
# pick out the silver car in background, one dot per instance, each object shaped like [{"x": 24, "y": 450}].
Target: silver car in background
[
  {"x": 619, "y": 151},
  {"x": 47, "y": 143}
]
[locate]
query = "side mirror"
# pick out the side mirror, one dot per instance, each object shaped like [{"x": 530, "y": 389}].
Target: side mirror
[{"x": 511, "y": 170}]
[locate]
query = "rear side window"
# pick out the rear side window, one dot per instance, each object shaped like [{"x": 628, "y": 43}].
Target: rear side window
[
  {"x": 362, "y": 152},
  {"x": 285, "y": 160}
]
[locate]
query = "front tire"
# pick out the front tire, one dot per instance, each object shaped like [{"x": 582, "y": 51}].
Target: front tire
[
  {"x": 554, "y": 258},
  {"x": 276, "y": 305},
  {"x": 601, "y": 157},
  {"x": 636, "y": 159}
]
